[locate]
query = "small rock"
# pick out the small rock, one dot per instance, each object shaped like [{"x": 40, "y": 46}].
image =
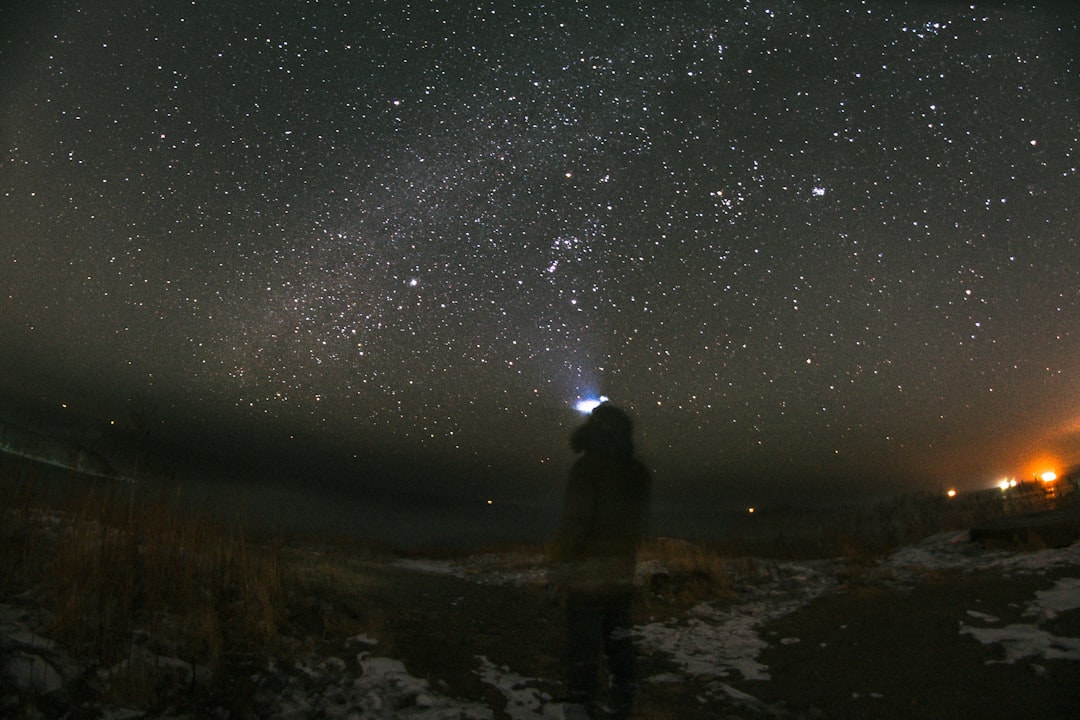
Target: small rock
[
  {"x": 32, "y": 673},
  {"x": 334, "y": 663}
]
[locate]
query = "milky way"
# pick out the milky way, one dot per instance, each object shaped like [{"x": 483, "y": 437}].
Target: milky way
[{"x": 797, "y": 240}]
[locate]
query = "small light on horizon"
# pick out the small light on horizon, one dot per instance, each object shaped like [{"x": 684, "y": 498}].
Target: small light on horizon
[
  {"x": 751, "y": 510},
  {"x": 490, "y": 502},
  {"x": 1049, "y": 476},
  {"x": 951, "y": 493}
]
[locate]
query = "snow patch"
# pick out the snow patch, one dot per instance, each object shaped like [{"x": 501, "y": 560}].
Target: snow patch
[
  {"x": 955, "y": 551},
  {"x": 1022, "y": 641},
  {"x": 715, "y": 642},
  {"x": 1063, "y": 597},
  {"x": 524, "y": 701}
]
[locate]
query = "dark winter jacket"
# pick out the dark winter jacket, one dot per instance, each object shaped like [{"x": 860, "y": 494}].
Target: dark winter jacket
[{"x": 603, "y": 521}]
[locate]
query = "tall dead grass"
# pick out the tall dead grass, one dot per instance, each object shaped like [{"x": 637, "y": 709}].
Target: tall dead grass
[
  {"x": 863, "y": 533},
  {"x": 685, "y": 573},
  {"x": 112, "y": 565}
]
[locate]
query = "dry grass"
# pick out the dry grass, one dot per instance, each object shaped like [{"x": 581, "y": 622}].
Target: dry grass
[
  {"x": 688, "y": 572},
  {"x": 868, "y": 532},
  {"x": 697, "y": 571},
  {"x": 123, "y": 577}
]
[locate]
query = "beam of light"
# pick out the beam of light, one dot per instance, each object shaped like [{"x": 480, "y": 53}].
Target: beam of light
[{"x": 589, "y": 404}]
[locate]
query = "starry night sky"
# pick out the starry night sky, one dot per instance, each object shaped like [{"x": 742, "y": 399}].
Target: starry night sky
[{"x": 807, "y": 245}]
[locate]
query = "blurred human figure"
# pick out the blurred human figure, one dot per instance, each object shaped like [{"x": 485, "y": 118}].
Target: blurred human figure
[{"x": 594, "y": 556}]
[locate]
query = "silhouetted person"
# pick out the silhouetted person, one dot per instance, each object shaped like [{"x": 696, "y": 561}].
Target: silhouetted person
[{"x": 594, "y": 553}]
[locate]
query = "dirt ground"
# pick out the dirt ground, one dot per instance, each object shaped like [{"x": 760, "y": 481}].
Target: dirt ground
[
  {"x": 891, "y": 653},
  {"x": 869, "y": 650}
]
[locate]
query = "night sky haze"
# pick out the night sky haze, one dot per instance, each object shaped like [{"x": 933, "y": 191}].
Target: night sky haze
[{"x": 808, "y": 246}]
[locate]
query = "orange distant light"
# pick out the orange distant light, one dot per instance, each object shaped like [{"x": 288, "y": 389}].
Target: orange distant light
[
  {"x": 1042, "y": 464},
  {"x": 1049, "y": 476},
  {"x": 951, "y": 493}
]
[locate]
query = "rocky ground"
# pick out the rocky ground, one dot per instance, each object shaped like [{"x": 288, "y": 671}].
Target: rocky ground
[{"x": 943, "y": 629}]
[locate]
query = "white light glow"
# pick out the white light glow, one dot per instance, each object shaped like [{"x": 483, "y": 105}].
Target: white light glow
[{"x": 589, "y": 404}]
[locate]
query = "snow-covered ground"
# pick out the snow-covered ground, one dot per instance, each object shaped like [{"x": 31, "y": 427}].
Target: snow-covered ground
[{"x": 713, "y": 646}]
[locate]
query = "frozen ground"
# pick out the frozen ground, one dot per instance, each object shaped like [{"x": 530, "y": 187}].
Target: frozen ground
[
  {"x": 712, "y": 647},
  {"x": 714, "y": 644}
]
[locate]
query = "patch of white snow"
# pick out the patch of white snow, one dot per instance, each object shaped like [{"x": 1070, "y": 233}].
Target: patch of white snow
[{"x": 1022, "y": 641}]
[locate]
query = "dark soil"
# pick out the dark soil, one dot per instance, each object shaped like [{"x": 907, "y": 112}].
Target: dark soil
[
  {"x": 440, "y": 626},
  {"x": 868, "y": 651},
  {"x": 889, "y": 653}
]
